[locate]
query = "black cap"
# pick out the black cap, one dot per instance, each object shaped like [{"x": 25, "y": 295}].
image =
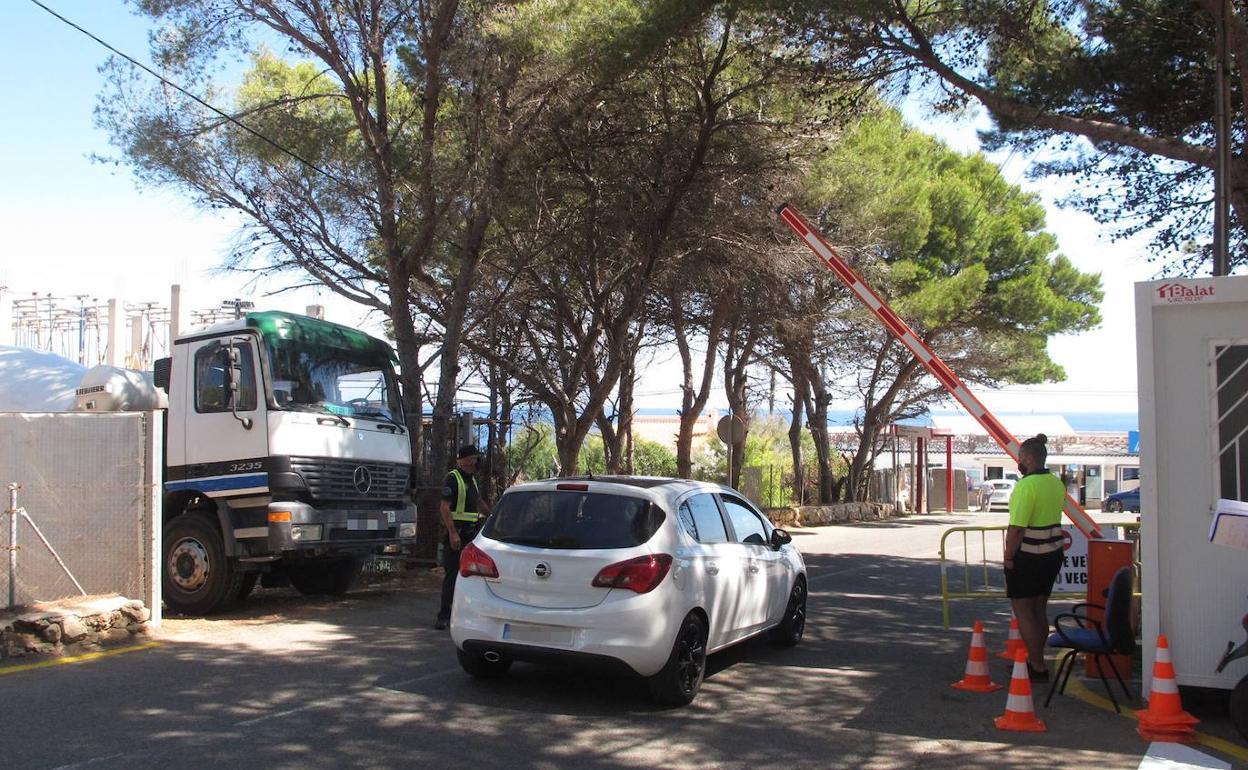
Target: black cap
[{"x": 467, "y": 450}]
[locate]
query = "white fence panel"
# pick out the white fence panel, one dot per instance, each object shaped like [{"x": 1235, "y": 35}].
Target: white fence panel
[{"x": 91, "y": 483}]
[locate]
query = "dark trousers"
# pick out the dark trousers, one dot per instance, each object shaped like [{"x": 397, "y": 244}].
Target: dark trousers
[{"x": 450, "y": 563}]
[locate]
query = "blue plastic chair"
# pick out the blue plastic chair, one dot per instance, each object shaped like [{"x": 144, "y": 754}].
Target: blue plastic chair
[{"x": 1101, "y": 639}]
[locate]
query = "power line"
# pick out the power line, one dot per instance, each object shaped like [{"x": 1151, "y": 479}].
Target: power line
[{"x": 195, "y": 98}]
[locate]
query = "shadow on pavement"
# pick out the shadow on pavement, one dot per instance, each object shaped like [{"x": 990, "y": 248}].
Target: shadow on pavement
[{"x": 366, "y": 680}]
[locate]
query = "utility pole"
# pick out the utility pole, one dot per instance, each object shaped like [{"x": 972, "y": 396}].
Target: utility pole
[{"x": 1222, "y": 131}]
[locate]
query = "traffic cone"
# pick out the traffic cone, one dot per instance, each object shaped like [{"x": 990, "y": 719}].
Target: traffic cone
[
  {"x": 1014, "y": 643},
  {"x": 1164, "y": 719},
  {"x": 1020, "y": 714},
  {"x": 977, "y": 678}
]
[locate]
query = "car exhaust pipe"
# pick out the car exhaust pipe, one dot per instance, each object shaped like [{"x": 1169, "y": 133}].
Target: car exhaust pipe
[{"x": 491, "y": 656}]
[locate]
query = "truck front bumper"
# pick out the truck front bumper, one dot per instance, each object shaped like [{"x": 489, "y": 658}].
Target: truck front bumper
[{"x": 302, "y": 529}]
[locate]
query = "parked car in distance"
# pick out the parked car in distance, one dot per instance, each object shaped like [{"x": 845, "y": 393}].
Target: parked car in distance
[
  {"x": 1127, "y": 500},
  {"x": 995, "y": 495},
  {"x": 645, "y": 575}
]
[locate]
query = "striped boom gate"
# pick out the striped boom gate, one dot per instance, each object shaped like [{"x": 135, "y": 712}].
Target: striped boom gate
[{"x": 906, "y": 336}]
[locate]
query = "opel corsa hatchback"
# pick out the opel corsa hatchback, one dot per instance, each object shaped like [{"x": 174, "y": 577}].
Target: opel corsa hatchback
[{"x": 646, "y": 575}]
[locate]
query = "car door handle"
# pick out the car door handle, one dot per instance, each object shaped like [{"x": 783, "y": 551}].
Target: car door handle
[{"x": 712, "y": 569}]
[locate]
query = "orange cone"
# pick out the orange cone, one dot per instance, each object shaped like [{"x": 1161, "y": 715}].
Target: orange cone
[
  {"x": 1014, "y": 643},
  {"x": 1164, "y": 719},
  {"x": 977, "y": 678},
  {"x": 1020, "y": 714}
]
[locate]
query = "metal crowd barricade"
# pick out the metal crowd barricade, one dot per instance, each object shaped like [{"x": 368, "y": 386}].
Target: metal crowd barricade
[{"x": 983, "y": 587}]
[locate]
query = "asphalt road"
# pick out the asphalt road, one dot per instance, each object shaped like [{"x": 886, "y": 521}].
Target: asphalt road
[{"x": 366, "y": 681}]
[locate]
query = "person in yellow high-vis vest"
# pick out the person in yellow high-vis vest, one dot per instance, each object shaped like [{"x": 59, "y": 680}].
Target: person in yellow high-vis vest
[
  {"x": 463, "y": 511},
  {"x": 1033, "y": 549}
]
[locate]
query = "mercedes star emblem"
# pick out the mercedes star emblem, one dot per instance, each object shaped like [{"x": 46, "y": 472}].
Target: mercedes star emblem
[{"x": 362, "y": 479}]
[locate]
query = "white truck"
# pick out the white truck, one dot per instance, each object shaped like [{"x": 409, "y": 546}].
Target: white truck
[{"x": 286, "y": 456}]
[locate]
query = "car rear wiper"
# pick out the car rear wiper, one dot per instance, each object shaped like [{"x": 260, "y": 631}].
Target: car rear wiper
[{"x": 538, "y": 541}]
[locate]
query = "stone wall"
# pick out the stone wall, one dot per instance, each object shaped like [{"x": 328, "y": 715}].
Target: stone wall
[
  {"x": 818, "y": 515},
  {"x": 72, "y": 628}
]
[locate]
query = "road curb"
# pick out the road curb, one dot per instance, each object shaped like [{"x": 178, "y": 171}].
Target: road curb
[{"x": 76, "y": 658}]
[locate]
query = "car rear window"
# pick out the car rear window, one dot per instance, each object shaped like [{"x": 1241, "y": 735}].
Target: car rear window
[{"x": 566, "y": 519}]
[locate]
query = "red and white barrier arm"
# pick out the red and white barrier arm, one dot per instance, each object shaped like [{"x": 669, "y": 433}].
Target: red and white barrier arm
[{"x": 906, "y": 336}]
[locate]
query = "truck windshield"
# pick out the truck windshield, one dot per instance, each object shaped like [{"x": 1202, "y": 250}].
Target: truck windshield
[{"x": 342, "y": 381}]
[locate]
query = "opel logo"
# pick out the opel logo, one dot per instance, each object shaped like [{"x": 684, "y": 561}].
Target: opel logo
[
  {"x": 362, "y": 479},
  {"x": 542, "y": 569}
]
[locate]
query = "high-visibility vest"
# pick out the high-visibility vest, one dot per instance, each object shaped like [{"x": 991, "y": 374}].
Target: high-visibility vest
[{"x": 458, "y": 513}]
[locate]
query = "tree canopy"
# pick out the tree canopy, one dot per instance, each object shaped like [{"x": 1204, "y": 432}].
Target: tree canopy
[{"x": 1116, "y": 95}]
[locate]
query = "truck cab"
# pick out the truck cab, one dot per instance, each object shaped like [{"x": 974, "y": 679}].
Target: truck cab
[{"x": 286, "y": 453}]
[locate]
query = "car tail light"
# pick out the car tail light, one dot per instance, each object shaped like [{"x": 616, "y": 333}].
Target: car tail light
[
  {"x": 573, "y": 487},
  {"x": 474, "y": 561},
  {"x": 641, "y": 574}
]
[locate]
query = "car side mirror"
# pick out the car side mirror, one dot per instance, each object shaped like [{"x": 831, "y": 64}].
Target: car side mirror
[{"x": 780, "y": 537}]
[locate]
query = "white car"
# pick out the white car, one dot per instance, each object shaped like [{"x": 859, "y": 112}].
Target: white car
[
  {"x": 647, "y": 575},
  {"x": 995, "y": 495}
]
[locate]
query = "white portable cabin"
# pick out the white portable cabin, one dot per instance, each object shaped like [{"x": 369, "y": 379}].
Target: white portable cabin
[{"x": 1192, "y": 338}]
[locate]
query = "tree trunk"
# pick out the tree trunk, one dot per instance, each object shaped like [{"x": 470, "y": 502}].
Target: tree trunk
[
  {"x": 624, "y": 422},
  {"x": 795, "y": 439},
  {"x": 567, "y": 443},
  {"x": 612, "y": 445},
  {"x": 819, "y": 429}
]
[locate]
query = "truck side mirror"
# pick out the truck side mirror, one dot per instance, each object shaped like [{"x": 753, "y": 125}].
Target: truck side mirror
[
  {"x": 233, "y": 375},
  {"x": 162, "y": 373}
]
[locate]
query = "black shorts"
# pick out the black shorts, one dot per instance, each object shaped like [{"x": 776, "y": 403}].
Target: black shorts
[{"x": 1033, "y": 574}]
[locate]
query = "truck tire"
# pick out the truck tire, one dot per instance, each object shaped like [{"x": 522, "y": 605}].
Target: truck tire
[
  {"x": 329, "y": 578},
  {"x": 246, "y": 585},
  {"x": 198, "y": 578}
]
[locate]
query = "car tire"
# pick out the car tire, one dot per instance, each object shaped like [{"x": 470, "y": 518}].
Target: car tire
[
  {"x": 1113, "y": 506},
  {"x": 332, "y": 579},
  {"x": 198, "y": 578},
  {"x": 480, "y": 668},
  {"x": 677, "y": 683},
  {"x": 790, "y": 629}
]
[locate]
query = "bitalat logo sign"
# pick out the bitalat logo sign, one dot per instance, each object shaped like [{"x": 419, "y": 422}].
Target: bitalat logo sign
[{"x": 1175, "y": 292}]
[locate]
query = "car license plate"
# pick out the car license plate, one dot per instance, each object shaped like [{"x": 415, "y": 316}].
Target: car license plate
[
  {"x": 525, "y": 632},
  {"x": 382, "y": 565}
]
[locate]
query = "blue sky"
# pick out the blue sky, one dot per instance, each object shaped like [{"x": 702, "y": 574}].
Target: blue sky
[{"x": 72, "y": 226}]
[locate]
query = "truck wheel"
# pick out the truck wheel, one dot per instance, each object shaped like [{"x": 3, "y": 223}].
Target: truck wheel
[
  {"x": 198, "y": 579},
  {"x": 1238, "y": 708},
  {"x": 677, "y": 683},
  {"x": 247, "y": 585},
  {"x": 332, "y": 578}
]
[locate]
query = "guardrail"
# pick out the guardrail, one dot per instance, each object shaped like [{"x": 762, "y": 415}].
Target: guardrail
[{"x": 984, "y": 587}]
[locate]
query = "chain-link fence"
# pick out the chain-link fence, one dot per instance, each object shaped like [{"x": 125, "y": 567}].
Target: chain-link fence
[{"x": 90, "y": 484}]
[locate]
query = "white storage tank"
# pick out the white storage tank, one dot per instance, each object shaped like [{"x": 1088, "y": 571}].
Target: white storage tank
[{"x": 112, "y": 389}]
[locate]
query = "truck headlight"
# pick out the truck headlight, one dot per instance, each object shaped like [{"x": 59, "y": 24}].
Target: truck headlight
[
  {"x": 407, "y": 530},
  {"x": 304, "y": 532}
]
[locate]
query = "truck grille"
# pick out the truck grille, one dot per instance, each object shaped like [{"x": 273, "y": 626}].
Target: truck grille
[{"x": 335, "y": 479}]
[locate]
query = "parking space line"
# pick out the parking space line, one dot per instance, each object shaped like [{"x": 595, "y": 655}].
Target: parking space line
[
  {"x": 1077, "y": 689},
  {"x": 76, "y": 658},
  {"x": 287, "y": 712},
  {"x": 422, "y": 678}
]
